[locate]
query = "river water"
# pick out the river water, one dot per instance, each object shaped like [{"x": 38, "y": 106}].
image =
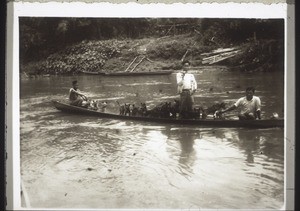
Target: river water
[{"x": 73, "y": 161}]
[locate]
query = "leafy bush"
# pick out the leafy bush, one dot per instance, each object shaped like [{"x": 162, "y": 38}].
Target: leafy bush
[
  {"x": 85, "y": 56},
  {"x": 173, "y": 49}
]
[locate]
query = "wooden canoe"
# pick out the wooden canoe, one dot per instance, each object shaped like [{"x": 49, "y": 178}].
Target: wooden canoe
[
  {"x": 265, "y": 123},
  {"x": 92, "y": 73}
]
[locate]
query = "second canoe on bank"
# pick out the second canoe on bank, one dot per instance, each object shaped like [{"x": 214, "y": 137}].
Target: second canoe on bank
[
  {"x": 264, "y": 123},
  {"x": 164, "y": 72}
]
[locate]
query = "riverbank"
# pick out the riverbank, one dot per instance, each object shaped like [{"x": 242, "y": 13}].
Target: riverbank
[{"x": 162, "y": 53}]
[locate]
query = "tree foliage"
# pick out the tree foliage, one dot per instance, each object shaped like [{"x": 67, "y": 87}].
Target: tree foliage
[
  {"x": 226, "y": 31},
  {"x": 40, "y": 37},
  {"x": 95, "y": 40}
]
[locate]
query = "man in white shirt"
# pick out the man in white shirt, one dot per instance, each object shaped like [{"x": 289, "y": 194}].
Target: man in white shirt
[
  {"x": 249, "y": 106},
  {"x": 187, "y": 86}
]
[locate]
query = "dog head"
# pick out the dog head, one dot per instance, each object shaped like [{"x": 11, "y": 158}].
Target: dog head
[
  {"x": 127, "y": 107},
  {"x": 143, "y": 106},
  {"x": 93, "y": 104},
  {"x": 275, "y": 116},
  {"x": 103, "y": 104},
  {"x": 218, "y": 115}
]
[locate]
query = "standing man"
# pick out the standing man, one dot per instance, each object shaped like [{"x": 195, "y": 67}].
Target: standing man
[
  {"x": 187, "y": 86},
  {"x": 249, "y": 106}
]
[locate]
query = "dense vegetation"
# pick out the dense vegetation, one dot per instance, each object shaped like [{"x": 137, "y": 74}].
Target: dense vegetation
[{"x": 69, "y": 45}]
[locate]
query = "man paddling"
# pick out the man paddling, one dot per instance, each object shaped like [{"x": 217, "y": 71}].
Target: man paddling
[
  {"x": 249, "y": 106},
  {"x": 187, "y": 86},
  {"x": 76, "y": 97}
]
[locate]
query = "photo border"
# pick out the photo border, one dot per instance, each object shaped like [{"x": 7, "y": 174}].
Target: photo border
[{"x": 224, "y": 10}]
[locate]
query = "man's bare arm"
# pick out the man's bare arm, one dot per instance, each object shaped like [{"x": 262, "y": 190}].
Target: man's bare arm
[
  {"x": 228, "y": 109},
  {"x": 79, "y": 93}
]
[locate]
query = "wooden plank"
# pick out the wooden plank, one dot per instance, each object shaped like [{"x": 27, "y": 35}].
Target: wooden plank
[
  {"x": 219, "y": 50},
  {"x": 220, "y": 57},
  {"x": 222, "y": 54},
  {"x": 137, "y": 64},
  {"x": 131, "y": 64}
]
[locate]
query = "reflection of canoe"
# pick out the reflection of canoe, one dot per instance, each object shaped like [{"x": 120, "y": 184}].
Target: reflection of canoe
[
  {"x": 266, "y": 123},
  {"x": 166, "y": 72},
  {"x": 92, "y": 73}
]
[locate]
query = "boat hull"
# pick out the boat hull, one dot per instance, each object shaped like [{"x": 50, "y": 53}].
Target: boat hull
[
  {"x": 92, "y": 73},
  {"x": 265, "y": 123}
]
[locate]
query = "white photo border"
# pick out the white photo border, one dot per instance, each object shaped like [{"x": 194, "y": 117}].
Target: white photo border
[{"x": 188, "y": 10}]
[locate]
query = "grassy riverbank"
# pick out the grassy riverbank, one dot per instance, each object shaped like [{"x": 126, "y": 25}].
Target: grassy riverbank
[{"x": 157, "y": 53}]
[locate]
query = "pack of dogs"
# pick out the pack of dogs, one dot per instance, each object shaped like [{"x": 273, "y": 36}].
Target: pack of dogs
[
  {"x": 169, "y": 110},
  {"x": 97, "y": 105},
  {"x": 162, "y": 110},
  {"x": 128, "y": 109}
]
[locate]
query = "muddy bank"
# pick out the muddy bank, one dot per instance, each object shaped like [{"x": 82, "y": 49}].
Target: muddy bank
[{"x": 163, "y": 53}]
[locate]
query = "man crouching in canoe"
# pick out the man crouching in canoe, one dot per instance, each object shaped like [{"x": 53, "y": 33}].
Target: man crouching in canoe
[
  {"x": 76, "y": 97},
  {"x": 249, "y": 106}
]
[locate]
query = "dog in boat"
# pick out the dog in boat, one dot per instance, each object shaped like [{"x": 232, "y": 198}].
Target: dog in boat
[
  {"x": 92, "y": 104},
  {"x": 171, "y": 109},
  {"x": 130, "y": 109},
  {"x": 196, "y": 113},
  {"x": 164, "y": 110},
  {"x": 124, "y": 109},
  {"x": 159, "y": 111},
  {"x": 174, "y": 108},
  {"x": 213, "y": 110},
  {"x": 103, "y": 106},
  {"x": 274, "y": 115},
  {"x": 137, "y": 111},
  {"x": 96, "y": 105},
  {"x": 142, "y": 111}
]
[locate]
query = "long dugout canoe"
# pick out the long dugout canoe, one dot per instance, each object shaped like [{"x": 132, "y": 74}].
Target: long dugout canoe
[{"x": 263, "y": 123}]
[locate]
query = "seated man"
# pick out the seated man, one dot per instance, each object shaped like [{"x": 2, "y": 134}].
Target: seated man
[
  {"x": 249, "y": 106},
  {"x": 76, "y": 97}
]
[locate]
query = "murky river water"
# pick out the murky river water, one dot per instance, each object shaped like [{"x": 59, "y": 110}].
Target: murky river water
[{"x": 70, "y": 161}]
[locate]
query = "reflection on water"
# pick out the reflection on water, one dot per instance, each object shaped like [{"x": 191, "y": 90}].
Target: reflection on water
[
  {"x": 184, "y": 140},
  {"x": 87, "y": 162},
  {"x": 188, "y": 154}
]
